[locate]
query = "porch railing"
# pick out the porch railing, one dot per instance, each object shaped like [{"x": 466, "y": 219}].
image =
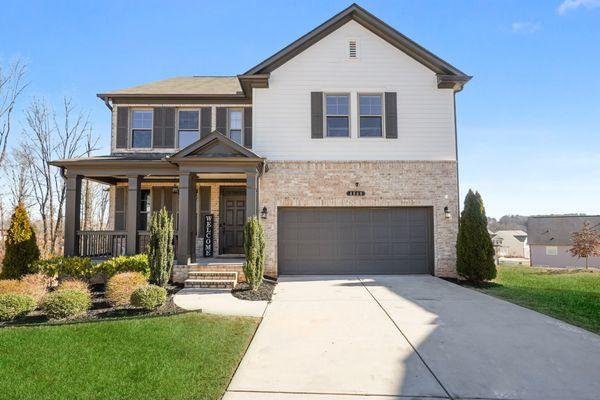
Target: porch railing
[
  {"x": 144, "y": 237},
  {"x": 101, "y": 243}
]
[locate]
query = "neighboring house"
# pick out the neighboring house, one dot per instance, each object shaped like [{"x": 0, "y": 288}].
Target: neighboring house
[
  {"x": 343, "y": 142},
  {"x": 511, "y": 243},
  {"x": 550, "y": 240}
]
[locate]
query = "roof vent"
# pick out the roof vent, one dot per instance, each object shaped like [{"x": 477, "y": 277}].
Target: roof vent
[{"x": 352, "y": 49}]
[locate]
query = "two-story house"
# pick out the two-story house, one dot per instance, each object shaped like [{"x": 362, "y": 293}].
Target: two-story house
[{"x": 343, "y": 144}]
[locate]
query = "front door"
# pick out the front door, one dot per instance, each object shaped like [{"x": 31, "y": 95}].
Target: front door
[{"x": 233, "y": 218}]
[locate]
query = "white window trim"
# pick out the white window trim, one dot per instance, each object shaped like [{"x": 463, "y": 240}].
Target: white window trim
[
  {"x": 382, "y": 115},
  {"x": 241, "y": 110},
  {"x": 553, "y": 252},
  {"x": 189, "y": 130},
  {"x": 130, "y": 136},
  {"x": 325, "y": 115}
]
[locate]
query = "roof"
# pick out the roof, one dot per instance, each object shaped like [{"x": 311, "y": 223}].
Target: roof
[
  {"x": 183, "y": 86},
  {"x": 448, "y": 75},
  {"x": 229, "y": 148},
  {"x": 557, "y": 229}
]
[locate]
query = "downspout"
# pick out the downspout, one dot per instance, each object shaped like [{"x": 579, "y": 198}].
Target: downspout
[
  {"x": 107, "y": 103},
  {"x": 456, "y": 158}
]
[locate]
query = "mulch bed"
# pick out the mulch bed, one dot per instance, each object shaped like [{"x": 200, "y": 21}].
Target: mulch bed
[
  {"x": 101, "y": 309},
  {"x": 264, "y": 291}
]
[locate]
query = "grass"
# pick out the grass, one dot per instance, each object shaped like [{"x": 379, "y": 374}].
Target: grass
[
  {"x": 185, "y": 356},
  {"x": 571, "y": 296}
]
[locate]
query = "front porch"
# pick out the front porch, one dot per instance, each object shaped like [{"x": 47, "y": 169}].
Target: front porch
[{"x": 211, "y": 188}]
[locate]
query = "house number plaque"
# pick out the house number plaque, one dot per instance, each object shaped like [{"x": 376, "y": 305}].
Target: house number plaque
[
  {"x": 208, "y": 235},
  {"x": 355, "y": 193}
]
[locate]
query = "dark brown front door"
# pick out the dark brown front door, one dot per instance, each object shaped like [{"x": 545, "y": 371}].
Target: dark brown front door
[{"x": 233, "y": 218}]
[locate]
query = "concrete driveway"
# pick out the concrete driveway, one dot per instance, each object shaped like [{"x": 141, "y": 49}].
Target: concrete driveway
[{"x": 410, "y": 337}]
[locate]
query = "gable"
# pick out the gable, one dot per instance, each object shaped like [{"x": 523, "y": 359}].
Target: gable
[
  {"x": 215, "y": 149},
  {"x": 214, "y": 145}
]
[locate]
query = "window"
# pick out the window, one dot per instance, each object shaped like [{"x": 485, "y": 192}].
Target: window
[
  {"x": 235, "y": 125},
  {"x": 144, "y": 209},
  {"x": 370, "y": 115},
  {"x": 141, "y": 128},
  {"x": 551, "y": 250},
  {"x": 188, "y": 127},
  {"x": 338, "y": 116}
]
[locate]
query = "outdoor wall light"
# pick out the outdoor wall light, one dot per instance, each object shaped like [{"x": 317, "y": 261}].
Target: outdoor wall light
[
  {"x": 263, "y": 213},
  {"x": 175, "y": 189},
  {"x": 447, "y": 213}
]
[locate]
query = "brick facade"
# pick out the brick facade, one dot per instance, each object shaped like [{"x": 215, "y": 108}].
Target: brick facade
[{"x": 386, "y": 184}]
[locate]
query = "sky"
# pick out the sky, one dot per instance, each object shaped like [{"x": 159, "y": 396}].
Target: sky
[{"x": 528, "y": 121}]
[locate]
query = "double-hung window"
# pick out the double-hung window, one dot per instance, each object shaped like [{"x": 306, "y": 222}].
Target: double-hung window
[
  {"x": 337, "y": 107},
  {"x": 235, "y": 125},
  {"x": 188, "y": 131},
  {"x": 370, "y": 115},
  {"x": 141, "y": 129}
]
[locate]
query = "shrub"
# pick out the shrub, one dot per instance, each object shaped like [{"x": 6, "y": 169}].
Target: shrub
[
  {"x": 21, "y": 245},
  {"x": 10, "y": 286},
  {"x": 149, "y": 297},
  {"x": 66, "y": 303},
  {"x": 14, "y": 305},
  {"x": 66, "y": 267},
  {"x": 160, "y": 247},
  {"x": 115, "y": 265},
  {"x": 254, "y": 247},
  {"x": 75, "y": 284},
  {"x": 120, "y": 287},
  {"x": 474, "y": 249},
  {"x": 35, "y": 286}
]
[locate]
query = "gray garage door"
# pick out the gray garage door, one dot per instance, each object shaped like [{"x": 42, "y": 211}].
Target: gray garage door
[{"x": 354, "y": 240}]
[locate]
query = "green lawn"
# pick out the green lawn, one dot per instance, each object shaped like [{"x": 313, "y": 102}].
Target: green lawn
[
  {"x": 185, "y": 356},
  {"x": 571, "y": 296}
]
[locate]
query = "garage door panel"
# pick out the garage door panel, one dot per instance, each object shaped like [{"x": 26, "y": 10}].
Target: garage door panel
[{"x": 354, "y": 240}]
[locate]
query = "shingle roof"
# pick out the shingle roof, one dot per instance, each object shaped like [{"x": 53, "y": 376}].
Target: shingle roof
[
  {"x": 556, "y": 229},
  {"x": 183, "y": 85}
]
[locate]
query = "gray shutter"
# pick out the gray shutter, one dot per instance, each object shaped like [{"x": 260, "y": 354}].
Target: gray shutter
[
  {"x": 205, "y": 121},
  {"x": 391, "y": 116},
  {"x": 120, "y": 197},
  {"x": 169, "y": 127},
  {"x": 316, "y": 112},
  {"x": 158, "y": 127},
  {"x": 222, "y": 120},
  {"x": 248, "y": 127},
  {"x": 122, "y": 127}
]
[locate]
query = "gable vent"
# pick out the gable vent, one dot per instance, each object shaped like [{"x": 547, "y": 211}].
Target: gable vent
[{"x": 352, "y": 49}]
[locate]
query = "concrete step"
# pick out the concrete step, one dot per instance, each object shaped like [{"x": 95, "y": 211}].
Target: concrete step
[
  {"x": 213, "y": 275},
  {"x": 210, "y": 283}
]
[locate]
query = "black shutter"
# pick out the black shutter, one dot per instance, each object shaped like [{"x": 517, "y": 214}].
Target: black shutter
[
  {"x": 248, "y": 127},
  {"x": 222, "y": 120},
  {"x": 120, "y": 197},
  {"x": 158, "y": 127},
  {"x": 205, "y": 121},
  {"x": 122, "y": 127},
  {"x": 391, "y": 116},
  {"x": 169, "y": 127},
  {"x": 316, "y": 112}
]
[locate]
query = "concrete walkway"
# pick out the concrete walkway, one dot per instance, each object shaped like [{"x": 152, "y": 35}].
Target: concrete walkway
[
  {"x": 416, "y": 337},
  {"x": 218, "y": 301}
]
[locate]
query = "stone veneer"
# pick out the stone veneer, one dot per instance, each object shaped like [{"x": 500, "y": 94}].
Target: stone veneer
[{"x": 386, "y": 184}]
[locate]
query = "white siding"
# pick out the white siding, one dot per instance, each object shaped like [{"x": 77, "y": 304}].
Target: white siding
[{"x": 282, "y": 112}]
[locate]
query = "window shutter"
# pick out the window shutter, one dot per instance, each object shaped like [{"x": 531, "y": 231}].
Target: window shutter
[
  {"x": 248, "y": 127},
  {"x": 205, "y": 121},
  {"x": 169, "y": 127},
  {"x": 120, "y": 197},
  {"x": 222, "y": 120},
  {"x": 158, "y": 127},
  {"x": 391, "y": 116},
  {"x": 122, "y": 127},
  {"x": 316, "y": 112}
]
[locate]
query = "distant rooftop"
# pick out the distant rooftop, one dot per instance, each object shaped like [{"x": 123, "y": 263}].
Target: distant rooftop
[
  {"x": 183, "y": 85},
  {"x": 556, "y": 230}
]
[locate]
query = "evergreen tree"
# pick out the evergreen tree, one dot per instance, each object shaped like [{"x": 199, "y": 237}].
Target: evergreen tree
[
  {"x": 160, "y": 247},
  {"x": 254, "y": 247},
  {"x": 21, "y": 246},
  {"x": 474, "y": 249}
]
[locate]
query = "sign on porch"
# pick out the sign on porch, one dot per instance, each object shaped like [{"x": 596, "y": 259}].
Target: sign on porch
[{"x": 208, "y": 235}]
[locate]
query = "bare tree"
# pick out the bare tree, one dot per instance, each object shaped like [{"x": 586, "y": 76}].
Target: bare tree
[
  {"x": 16, "y": 172},
  {"x": 12, "y": 85}
]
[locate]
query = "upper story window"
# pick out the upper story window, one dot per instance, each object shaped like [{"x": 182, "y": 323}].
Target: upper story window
[
  {"x": 141, "y": 129},
  {"x": 371, "y": 115},
  {"x": 235, "y": 125},
  {"x": 188, "y": 131},
  {"x": 337, "y": 115}
]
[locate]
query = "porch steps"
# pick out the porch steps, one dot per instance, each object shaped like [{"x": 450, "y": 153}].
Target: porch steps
[{"x": 211, "y": 279}]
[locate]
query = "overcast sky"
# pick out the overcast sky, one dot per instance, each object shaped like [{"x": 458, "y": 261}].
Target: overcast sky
[{"x": 528, "y": 122}]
